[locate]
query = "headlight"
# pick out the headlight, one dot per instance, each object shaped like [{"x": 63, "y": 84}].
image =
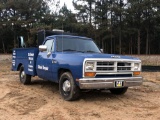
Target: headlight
[
  {"x": 136, "y": 66},
  {"x": 89, "y": 66}
]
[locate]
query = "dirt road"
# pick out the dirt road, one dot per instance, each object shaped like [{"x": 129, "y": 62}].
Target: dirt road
[{"x": 41, "y": 100}]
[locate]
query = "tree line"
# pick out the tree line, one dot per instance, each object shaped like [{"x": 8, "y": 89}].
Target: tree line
[{"x": 117, "y": 26}]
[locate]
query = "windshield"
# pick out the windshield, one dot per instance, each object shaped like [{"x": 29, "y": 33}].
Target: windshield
[{"x": 76, "y": 44}]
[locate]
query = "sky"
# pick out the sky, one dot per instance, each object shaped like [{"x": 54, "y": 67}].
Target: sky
[{"x": 68, "y": 3}]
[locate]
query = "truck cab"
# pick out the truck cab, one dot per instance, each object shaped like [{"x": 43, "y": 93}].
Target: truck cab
[{"x": 76, "y": 63}]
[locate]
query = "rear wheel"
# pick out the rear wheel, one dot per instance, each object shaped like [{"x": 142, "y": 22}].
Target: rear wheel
[
  {"x": 68, "y": 89},
  {"x": 24, "y": 78},
  {"x": 118, "y": 91}
]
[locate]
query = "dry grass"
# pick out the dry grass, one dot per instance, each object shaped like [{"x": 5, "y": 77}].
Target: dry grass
[
  {"x": 149, "y": 59},
  {"x": 146, "y": 59},
  {"x": 5, "y": 66}
]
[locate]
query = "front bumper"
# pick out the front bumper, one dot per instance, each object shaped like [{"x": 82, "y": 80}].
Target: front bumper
[{"x": 107, "y": 83}]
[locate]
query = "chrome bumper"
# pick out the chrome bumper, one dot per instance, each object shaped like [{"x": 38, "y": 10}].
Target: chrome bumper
[{"x": 106, "y": 83}]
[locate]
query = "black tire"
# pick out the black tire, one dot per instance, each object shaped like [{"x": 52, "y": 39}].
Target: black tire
[
  {"x": 67, "y": 87},
  {"x": 118, "y": 91},
  {"x": 24, "y": 78}
]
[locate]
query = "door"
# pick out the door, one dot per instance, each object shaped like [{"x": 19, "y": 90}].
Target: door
[{"x": 44, "y": 61}]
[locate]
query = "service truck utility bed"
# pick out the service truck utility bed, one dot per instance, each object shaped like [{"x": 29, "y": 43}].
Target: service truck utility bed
[{"x": 27, "y": 57}]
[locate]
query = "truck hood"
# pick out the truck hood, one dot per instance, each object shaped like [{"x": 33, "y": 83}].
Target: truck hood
[
  {"x": 113, "y": 56},
  {"x": 79, "y": 57}
]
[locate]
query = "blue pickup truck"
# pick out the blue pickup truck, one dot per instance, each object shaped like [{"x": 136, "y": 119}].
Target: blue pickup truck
[{"x": 76, "y": 63}]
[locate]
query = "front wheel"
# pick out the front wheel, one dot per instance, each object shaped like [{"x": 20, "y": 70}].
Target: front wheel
[
  {"x": 118, "y": 91},
  {"x": 24, "y": 78},
  {"x": 67, "y": 87}
]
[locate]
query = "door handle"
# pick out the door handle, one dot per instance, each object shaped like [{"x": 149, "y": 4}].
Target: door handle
[
  {"x": 54, "y": 61},
  {"x": 48, "y": 54}
]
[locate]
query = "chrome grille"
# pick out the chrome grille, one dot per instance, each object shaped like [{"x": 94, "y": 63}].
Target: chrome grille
[
  {"x": 105, "y": 68},
  {"x": 105, "y": 63},
  {"x": 123, "y": 66},
  {"x": 113, "y": 66}
]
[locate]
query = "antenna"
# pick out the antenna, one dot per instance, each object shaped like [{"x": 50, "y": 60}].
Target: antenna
[{"x": 62, "y": 37}]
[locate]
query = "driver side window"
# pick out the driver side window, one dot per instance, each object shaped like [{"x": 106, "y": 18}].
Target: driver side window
[{"x": 50, "y": 45}]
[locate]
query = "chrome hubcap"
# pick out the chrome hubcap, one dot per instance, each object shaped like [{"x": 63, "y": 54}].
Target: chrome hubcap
[
  {"x": 66, "y": 86},
  {"x": 22, "y": 74}
]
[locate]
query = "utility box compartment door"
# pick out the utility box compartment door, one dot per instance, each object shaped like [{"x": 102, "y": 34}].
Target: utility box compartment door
[{"x": 26, "y": 57}]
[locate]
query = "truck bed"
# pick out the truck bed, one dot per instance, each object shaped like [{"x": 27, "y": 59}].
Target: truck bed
[{"x": 26, "y": 57}]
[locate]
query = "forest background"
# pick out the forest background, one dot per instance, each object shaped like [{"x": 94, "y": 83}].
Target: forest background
[{"x": 117, "y": 26}]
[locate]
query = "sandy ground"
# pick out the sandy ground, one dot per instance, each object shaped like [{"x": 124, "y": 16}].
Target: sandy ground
[{"x": 41, "y": 100}]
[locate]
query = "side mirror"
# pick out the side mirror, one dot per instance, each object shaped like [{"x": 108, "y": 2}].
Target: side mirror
[
  {"x": 102, "y": 50},
  {"x": 21, "y": 43},
  {"x": 42, "y": 48}
]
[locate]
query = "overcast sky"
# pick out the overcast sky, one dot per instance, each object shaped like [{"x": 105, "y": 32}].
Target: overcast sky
[{"x": 68, "y": 3}]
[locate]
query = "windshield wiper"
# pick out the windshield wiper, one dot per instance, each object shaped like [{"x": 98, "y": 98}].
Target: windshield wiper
[
  {"x": 81, "y": 51},
  {"x": 69, "y": 50},
  {"x": 73, "y": 50},
  {"x": 89, "y": 51}
]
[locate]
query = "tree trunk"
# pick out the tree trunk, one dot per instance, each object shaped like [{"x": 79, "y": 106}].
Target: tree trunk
[
  {"x": 120, "y": 32},
  {"x": 139, "y": 42},
  {"x": 102, "y": 44},
  {"x": 111, "y": 31},
  {"x": 90, "y": 12},
  {"x": 111, "y": 43},
  {"x": 130, "y": 47},
  {"x": 3, "y": 47},
  {"x": 14, "y": 41},
  {"x": 147, "y": 40},
  {"x": 120, "y": 44}
]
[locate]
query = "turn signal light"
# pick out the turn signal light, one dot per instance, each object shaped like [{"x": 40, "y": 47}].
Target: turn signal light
[
  {"x": 136, "y": 73},
  {"x": 90, "y": 74}
]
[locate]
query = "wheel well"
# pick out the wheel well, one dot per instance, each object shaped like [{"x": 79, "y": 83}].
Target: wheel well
[
  {"x": 19, "y": 66},
  {"x": 61, "y": 71}
]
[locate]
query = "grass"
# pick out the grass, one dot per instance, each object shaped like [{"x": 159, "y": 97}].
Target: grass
[{"x": 150, "y": 60}]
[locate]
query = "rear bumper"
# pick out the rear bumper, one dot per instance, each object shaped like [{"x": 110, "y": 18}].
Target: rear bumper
[{"x": 107, "y": 83}]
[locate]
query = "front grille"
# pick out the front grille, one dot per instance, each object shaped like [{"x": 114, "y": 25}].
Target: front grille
[
  {"x": 105, "y": 63},
  {"x": 113, "y": 66},
  {"x": 123, "y": 66},
  {"x": 105, "y": 68}
]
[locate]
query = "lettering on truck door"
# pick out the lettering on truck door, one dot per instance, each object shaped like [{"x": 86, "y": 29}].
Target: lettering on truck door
[{"x": 44, "y": 63}]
